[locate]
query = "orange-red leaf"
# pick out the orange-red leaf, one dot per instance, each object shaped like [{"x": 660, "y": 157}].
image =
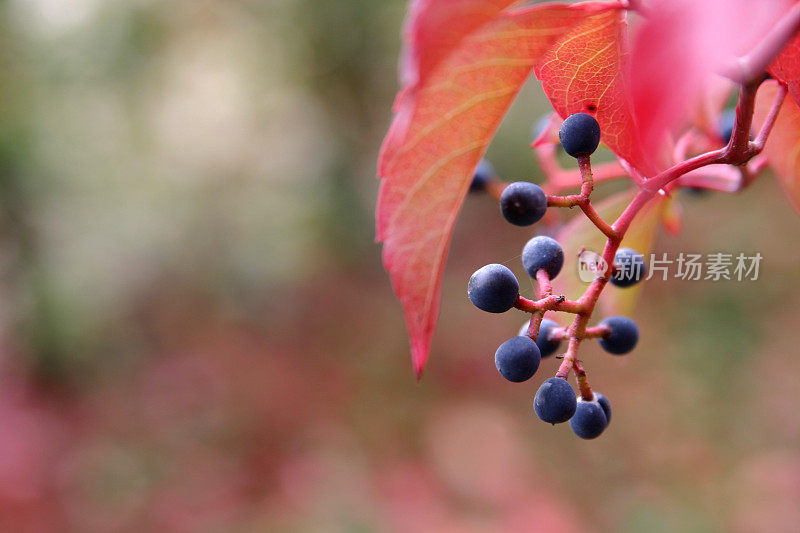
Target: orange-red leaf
[
  {"x": 678, "y": 48},
  {"x": 436, "y": 27},
  {"x": 437, "y": 138},
  {"x": 786, "y": 67},
  {"x": 783, "y": 145},
  {"x": 584, "y": 72}
]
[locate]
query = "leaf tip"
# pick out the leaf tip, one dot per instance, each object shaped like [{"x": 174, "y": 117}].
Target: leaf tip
[{"x": 419, "y": 357}]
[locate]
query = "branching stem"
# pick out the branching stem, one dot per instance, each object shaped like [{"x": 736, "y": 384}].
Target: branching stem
[
  {"x": 769, "y": 122},
  {"x": 751, "y": 66},
  {"x": 738, "y": 152}
]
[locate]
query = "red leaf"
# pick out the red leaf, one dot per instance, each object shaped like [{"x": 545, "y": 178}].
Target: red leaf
[
  {"x": 436, "y": 140},
  {"x": 786, "y": 67},
  {"x": 783, "y": 145},
  {"x": 436, "y": 27},
  {"x": 705, "y": 114},
  {"x": 676, "y": 50},
  {"x": 584, "y": 72},
  {"x": 548, "y": 134}
]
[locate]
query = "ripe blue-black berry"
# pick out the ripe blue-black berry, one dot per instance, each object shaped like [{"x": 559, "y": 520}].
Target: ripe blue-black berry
[
  {"x": 727, "y": 119},
  {"x": 543, "y": 253},
  {"x": 517, "y": 359},
  {"x": 580, "y": 135},
  {"x": 546, "y": 346},
  {"x": 493, "y": 288},
  {"x": 629, "y": 267},
  {"x": 484, "y": 173},
  {"x": 605, "y": 404},
  {"x": 589, "y": 420},
  {"x": 623, "y": 336},
  {"x": 555, "y": 401},
  {"x": 523, "y": 203}
]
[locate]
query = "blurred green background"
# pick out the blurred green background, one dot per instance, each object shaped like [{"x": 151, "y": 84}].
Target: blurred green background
[{"x": 196, "y": 333}]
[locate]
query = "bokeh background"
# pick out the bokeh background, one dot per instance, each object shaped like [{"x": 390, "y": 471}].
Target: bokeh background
[{"x": 196, "y": 333}]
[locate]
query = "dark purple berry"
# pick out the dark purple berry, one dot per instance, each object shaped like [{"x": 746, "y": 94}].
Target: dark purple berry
[
  {"x": 543, "y": 253},
  {"x": 517, "y": 359},
  {"x": 605, "y": 404},
  {"x": 547, "y": 347},
  {"x": 629, "y": 268},
  {"x": 580, "y": 135},
  {"x": 493, "y": 288},
  {"x": 523, "y": 203},
  {"x": 555, "y": 401},
  {"x": 727, "y": 120},
  {"x": 484, "y": 173},
  {"x": 623, "y": 336},
  {"x": 589, "y": 420}
]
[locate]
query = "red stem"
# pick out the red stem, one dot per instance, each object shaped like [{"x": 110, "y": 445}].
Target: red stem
[
  {"x": 751, "y": 67},
  {"x": 543, "y": 279},
  {"x": 598, "y": 221},
  {"x": 583, "y": 384},
  {"x": 596, "y": 332},
  {"x": 548, "y": 303},
  {"x": 725, "y": 179},
  {"x": 560, "y": 179},
  {"x": 544, "y": 290},
  {"x": 769, "y": 122},
  {"x": 735, "y": 152},
  {"x": 739, "y": 151}
]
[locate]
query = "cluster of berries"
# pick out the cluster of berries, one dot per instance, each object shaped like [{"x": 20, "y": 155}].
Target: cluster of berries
[{"x": 495, "y": 289}]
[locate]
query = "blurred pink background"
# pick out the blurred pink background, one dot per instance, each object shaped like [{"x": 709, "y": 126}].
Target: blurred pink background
[{"x": 196, "y": 333}]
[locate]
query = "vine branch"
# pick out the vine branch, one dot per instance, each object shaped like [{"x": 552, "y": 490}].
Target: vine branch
[
  {"x": 739, "y": 151},
  {"x": 750, "y": 67}
]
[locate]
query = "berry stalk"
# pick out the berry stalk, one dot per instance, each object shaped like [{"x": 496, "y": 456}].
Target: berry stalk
[
  {"x": 739, "y": 151},
  {"x": 494, "y": 288},
  {"x": 752, "y": 66}
]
